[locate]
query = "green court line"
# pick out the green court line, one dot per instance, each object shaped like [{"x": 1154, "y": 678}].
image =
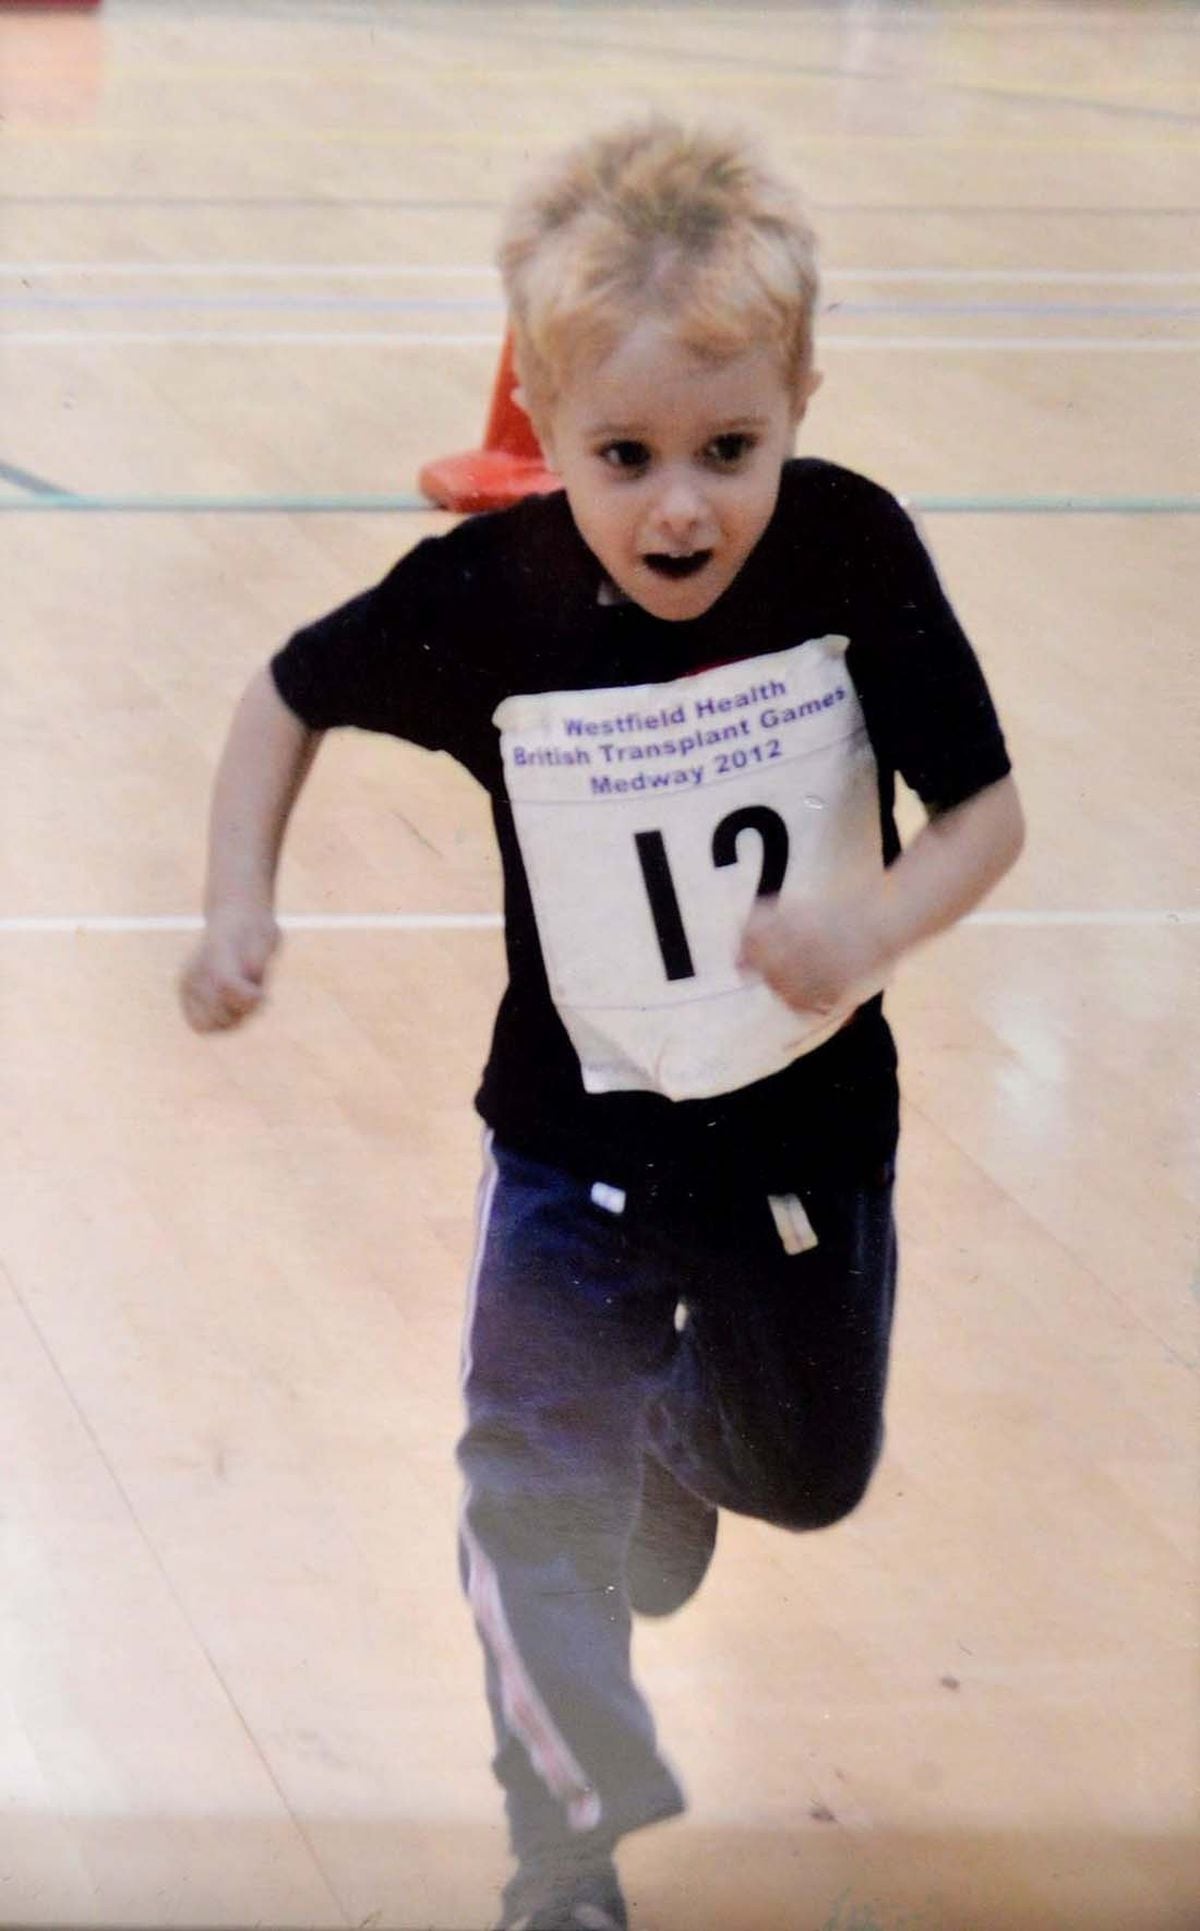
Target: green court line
[{"x": 384, "y": 505}]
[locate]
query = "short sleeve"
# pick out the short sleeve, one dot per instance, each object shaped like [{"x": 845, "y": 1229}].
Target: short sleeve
[
  {"x": 926, "y": 701},
  {"x": 384, "y": 661}
]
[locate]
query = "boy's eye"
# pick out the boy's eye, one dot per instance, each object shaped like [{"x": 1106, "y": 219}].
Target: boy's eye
[
  {"x": 731, "y": 449},
  {"x": 625, "y": 455}
]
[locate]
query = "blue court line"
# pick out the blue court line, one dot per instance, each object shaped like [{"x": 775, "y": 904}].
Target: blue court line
[
  {"x": 25, "y": 479},
  {"x": 388, "y": 505}
]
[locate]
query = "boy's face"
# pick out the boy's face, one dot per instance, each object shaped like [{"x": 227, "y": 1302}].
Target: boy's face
[{"x": 671, "y": 464}]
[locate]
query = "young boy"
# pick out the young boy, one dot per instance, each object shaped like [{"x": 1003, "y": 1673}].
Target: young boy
[{"x": 687, "y": 683}]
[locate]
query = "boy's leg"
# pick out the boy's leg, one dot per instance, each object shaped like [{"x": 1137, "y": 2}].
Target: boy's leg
[
  {"x": 673, "y": 1541},
  {"x": 773, "y": 1402},
  {"x": 566, "y": 1341}
]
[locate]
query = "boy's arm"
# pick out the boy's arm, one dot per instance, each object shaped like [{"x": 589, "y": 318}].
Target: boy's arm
[
  {"x": 266, "y": 759},
  {"x": 814, "y": 955}
]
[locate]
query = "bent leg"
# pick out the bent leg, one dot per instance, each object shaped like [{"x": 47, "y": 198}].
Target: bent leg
[{"x": 773, "y": 1404}]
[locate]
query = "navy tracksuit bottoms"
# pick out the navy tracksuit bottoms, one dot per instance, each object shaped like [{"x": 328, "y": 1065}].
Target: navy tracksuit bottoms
[{"x": 601, "y": 1329}]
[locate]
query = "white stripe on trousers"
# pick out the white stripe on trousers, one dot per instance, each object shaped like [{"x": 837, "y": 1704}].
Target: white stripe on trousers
[{"x": 524, "y": 1709}]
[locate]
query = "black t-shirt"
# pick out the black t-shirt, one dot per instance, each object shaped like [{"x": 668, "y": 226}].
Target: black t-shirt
[{"x": 511, "y": 603}]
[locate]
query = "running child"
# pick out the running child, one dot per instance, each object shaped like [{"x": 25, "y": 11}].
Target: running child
[{"x": 688, "y": 682}]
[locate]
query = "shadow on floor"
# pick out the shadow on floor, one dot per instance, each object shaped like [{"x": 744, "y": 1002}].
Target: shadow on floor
[{"x": 327, "y": 1873}]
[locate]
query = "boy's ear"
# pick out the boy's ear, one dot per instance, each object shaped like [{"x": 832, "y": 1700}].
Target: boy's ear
[
  {"x": 541, "y": 428},
  {"x": 806, "y": 389}
]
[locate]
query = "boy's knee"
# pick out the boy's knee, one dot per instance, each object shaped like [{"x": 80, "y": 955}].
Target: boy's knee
[
  {"x": 819, "y": 1509},
  {"x": 804, "y": 1499}
]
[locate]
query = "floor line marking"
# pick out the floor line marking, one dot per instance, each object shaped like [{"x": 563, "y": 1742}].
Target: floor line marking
[
  {"x": 755, "y": 67},
  {"x": 351, "y": 304},
  {"x": 492, "y": 921},
  {"x": 25, "y": 479},
  {"x": 297, "y": 303},
  {"x": 1080, "y": 277},
  {"x": 163, "y": 270},
  {"x": 290, "y": 922},
  {"x": 335, "y": 137},
  {"x": 1081, "y": 919},
  {"x": 330, "y": 203},
  {"x": 397, "y": 339},
  {"x": 465, "y": 271},
  {"x": 417, "y": 204},
  {"x": 403, "y": 503},
  {"x": 241, "y": 338}
]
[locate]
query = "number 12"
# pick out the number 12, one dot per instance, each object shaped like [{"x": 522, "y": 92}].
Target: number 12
[{"x": 660, "y": 886}]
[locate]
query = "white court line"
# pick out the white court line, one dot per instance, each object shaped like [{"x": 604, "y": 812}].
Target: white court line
[
  {"x": 268, "y": 270},
  {"x": 1079, "y": 277},
  {"x": 353, "y": 338},
  {"x": 315, "y": 338},
  {"x": 290, "y": 922},
  {"x": 1082, "y": 918},
  {"x": 309, "y": 301},
  {"x": 492, "y": 921}
]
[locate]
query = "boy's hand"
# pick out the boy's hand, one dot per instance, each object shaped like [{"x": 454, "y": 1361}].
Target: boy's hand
[
  {"x": 224, "y": 981},
  {"x": 820, "y": 956},
  {"x": 814, "y": 956}
]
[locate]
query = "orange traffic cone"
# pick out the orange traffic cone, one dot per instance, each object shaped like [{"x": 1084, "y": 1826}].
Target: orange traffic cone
[{"x": 509, "y": 466}]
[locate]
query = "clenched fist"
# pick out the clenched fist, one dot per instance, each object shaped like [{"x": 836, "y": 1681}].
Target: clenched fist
[
  {"x": 224, "y": 981},
  {"x": 815, "y": 957}
]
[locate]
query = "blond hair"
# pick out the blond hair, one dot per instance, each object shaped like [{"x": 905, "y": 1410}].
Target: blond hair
[{"x": 652, "y": 218}]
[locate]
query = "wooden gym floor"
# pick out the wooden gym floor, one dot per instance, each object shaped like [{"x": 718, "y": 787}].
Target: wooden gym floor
[{"x": 245, "y": 291}]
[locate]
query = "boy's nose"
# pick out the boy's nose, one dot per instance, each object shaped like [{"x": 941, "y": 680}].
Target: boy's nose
[{"x": 680, "y": 514}]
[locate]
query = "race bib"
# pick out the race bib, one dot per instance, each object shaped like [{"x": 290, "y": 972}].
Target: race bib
[{"x": 649, "y": 818}]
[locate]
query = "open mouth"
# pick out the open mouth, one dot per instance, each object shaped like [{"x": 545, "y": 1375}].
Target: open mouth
[{"x": 673, "y": 566}]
